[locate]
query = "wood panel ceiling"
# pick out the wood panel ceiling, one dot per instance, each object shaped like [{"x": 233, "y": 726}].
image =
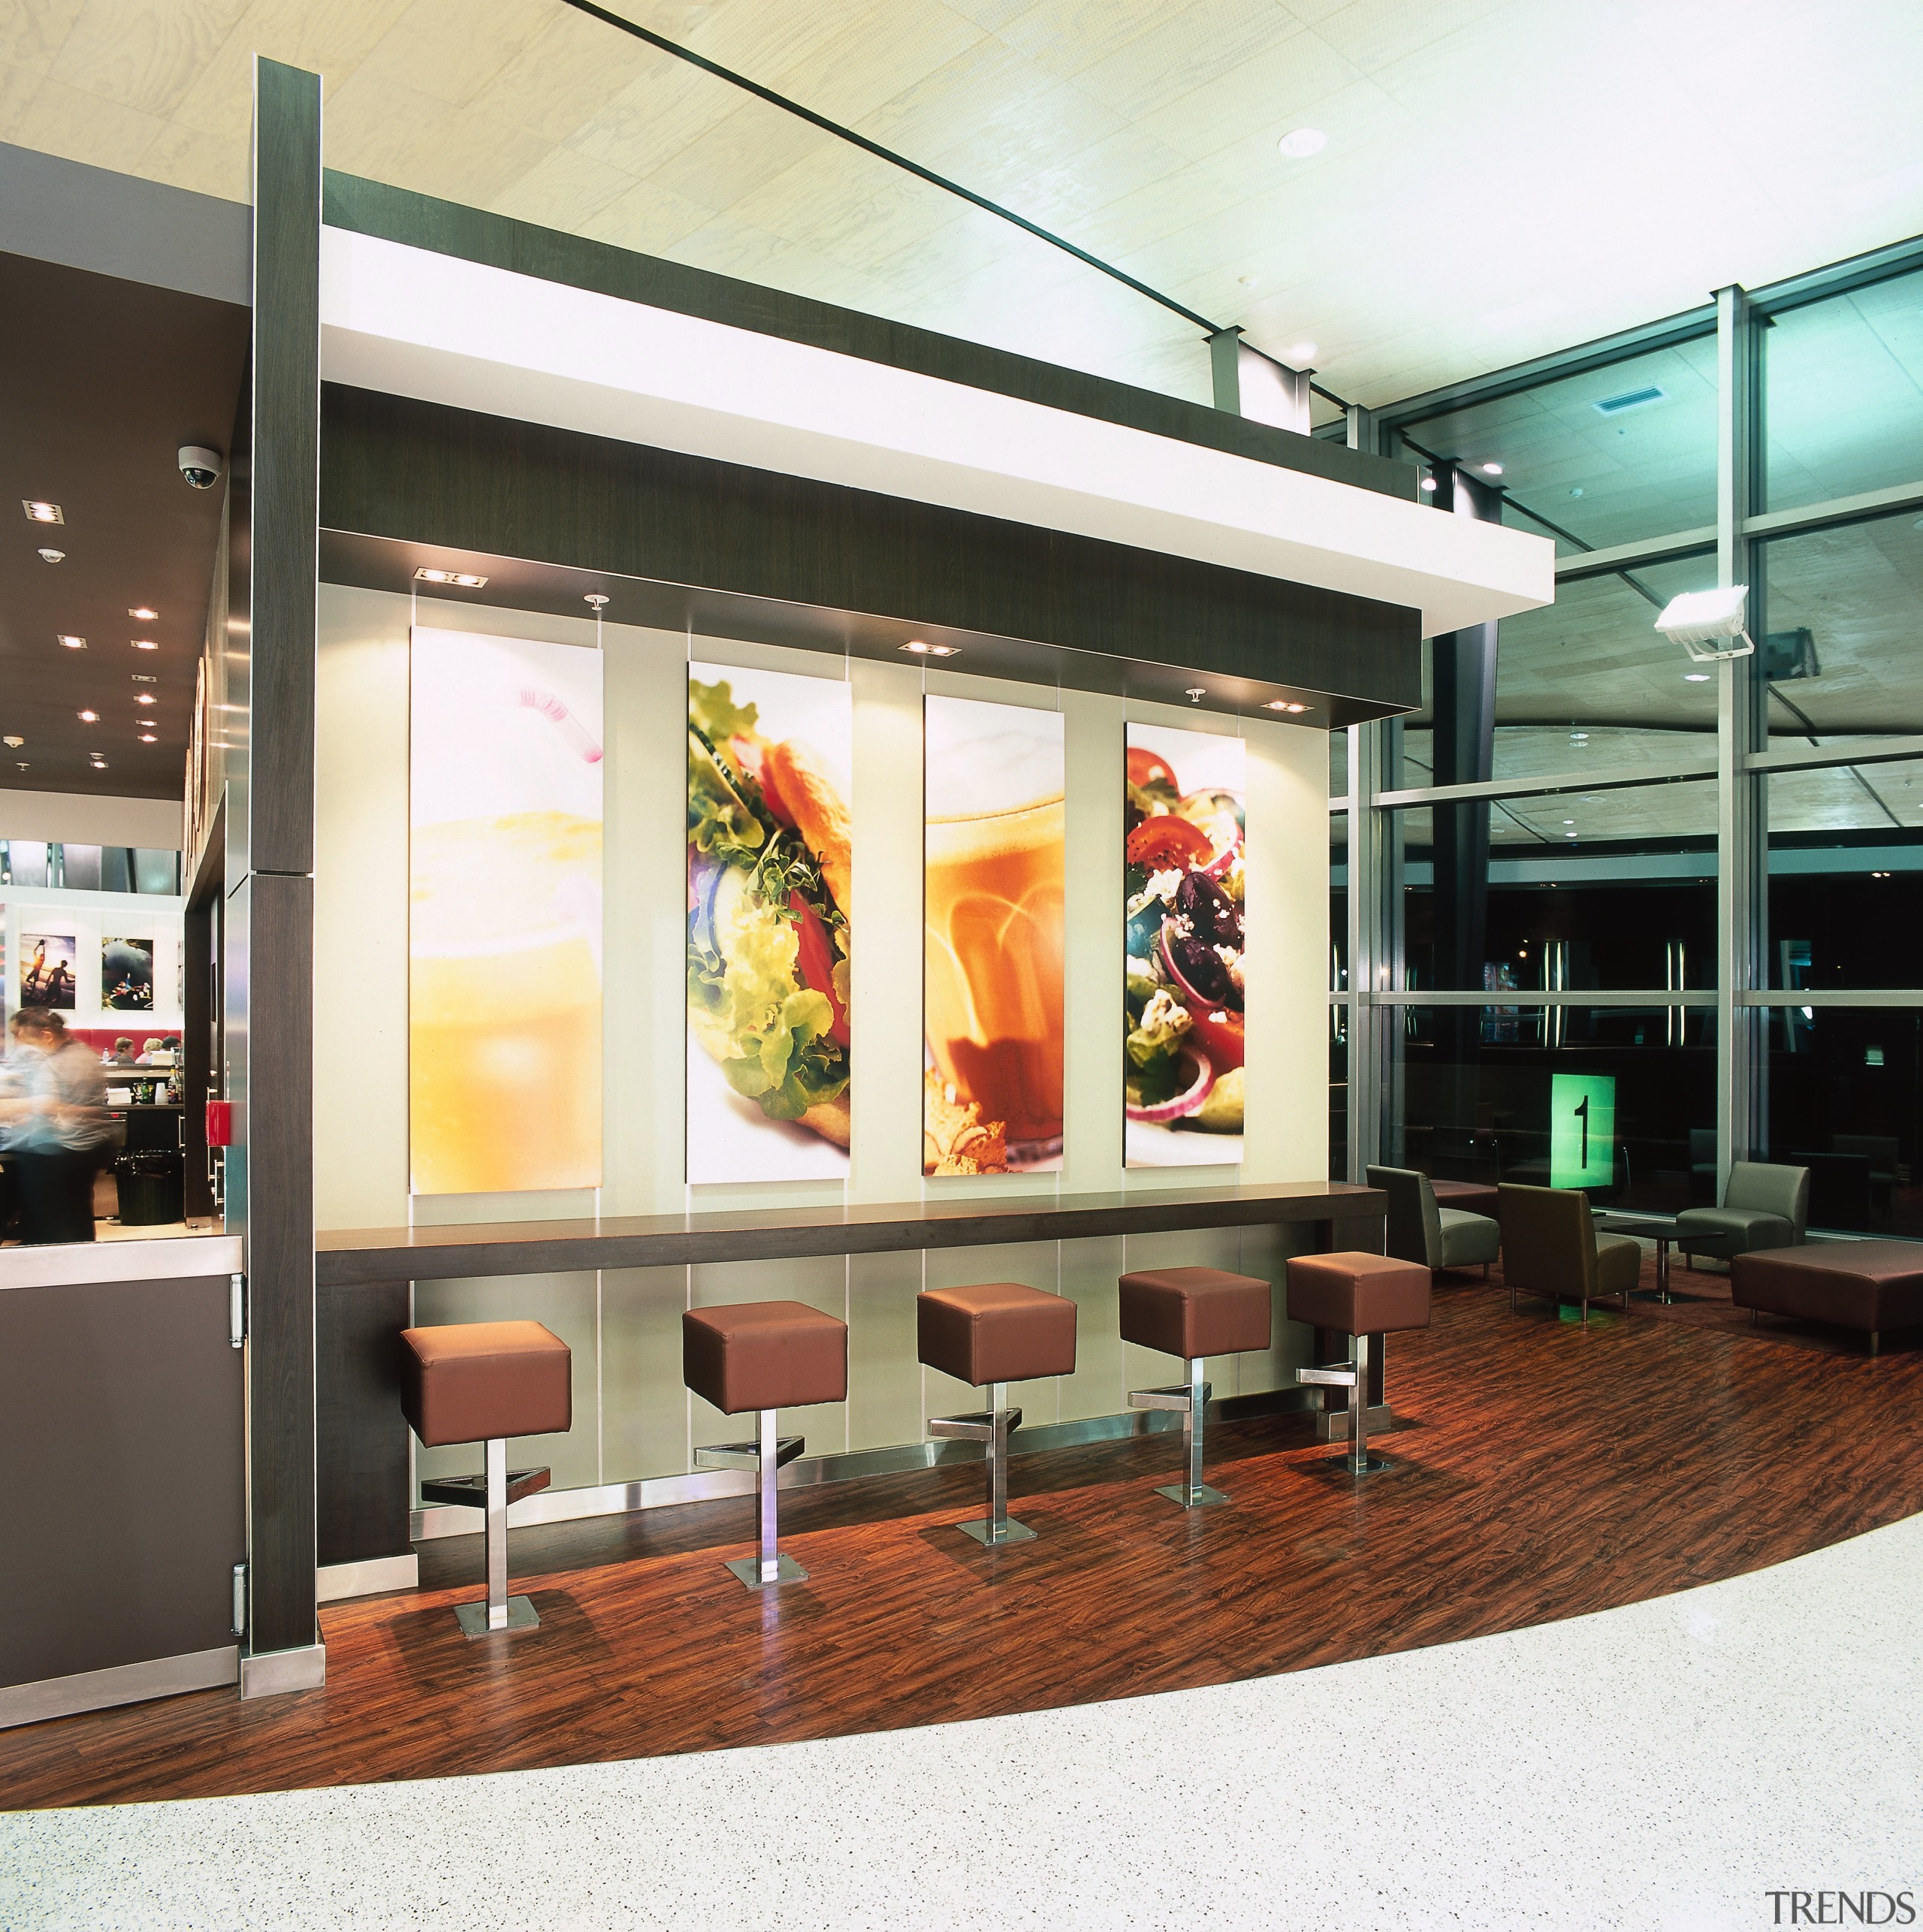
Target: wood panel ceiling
[{"x": 1501, "y": 178}]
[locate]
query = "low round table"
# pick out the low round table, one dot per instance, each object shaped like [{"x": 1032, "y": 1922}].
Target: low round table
[{"x": 1660, "y": 1228}]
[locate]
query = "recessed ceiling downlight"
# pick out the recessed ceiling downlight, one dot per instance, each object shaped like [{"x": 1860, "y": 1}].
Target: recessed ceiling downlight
[
  {"x": 53, "y": 556},
  {"x": 69, "y": 642},
  {"x": 39, "y": 511},
  {"x": 1299, "y": 143},
  {"x": 143, "y": 643},
  {"x": 90, "y": 717},
  {"x": 144, "y": 614},
  {"x": 461, "y": 580}
]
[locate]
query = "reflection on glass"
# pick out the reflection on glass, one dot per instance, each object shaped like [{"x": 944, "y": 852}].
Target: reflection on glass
[
  {"x": 1845, "y": 898},
  {"x": 1843, "y": 618},
  {"x": 1479, "y": 1088},
  {"x": 1609, "y": 456},
  {"x": 1607, "y": 890},
  {"x": 1843, "y": 1094},
  {"x": 1339, "y": 902},
  {"x": 1843, "y": 393}
]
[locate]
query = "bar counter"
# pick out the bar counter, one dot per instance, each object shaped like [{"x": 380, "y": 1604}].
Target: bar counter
[{"x": 615, "y": 1289}]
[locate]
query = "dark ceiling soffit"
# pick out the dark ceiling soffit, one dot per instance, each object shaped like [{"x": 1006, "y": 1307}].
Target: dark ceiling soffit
[
  {"x": 393, "y": 466},
  {"x": 53, "y": 209},
  {"x": 471, "y": 234},
  {"x": 366, "y": 562}
]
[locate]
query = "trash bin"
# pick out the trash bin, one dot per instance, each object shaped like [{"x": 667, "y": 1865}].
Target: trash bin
[{"x": 149, "y": 1184}]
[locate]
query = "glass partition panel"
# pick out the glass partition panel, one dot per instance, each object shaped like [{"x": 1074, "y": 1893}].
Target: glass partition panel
[
  {"x": 1845, "y": 877},
  {"x": 1843, "y": 1098},
  {"x": 1505, "y": 1093},
  {"x": 1842, "y": 612},
  {"x": 1339, "y": 902},
  {"x": 156, "y": 871},
  {"x": 1842, "y": 383},
  {"x": 1605, "y": 890},
  {"x": 1610, "y": 456},
  {"x": 1339, "y": 1093},
  {"x": 1585, "y": 683},
  {"x": 1338, "y": 764}
]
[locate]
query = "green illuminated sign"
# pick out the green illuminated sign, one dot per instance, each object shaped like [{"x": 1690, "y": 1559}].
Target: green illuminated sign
[{"x": 1582, "y": 1129}]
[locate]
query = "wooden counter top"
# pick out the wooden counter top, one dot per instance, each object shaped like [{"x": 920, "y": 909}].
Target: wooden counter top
[{"x": 346, "y": 1258}]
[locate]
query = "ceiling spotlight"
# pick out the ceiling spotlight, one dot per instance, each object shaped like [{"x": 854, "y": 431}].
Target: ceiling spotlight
[
  {"x": 596, "y": 599},
  {"x": 1577, "y": 491},
  {"x": 38, "y": 513},
  {"x": 148, "y": 738},
  {"x": 14, "y": 743},
  {"x": 145, "y": 697},
  {"x": 53, "y": 556},
  {"x": 1299, "y": 143},
  {"x": 1492, "y": 469},
  {"x": 916, "y": 648},
  {"x": 1302, "y": 352},
  {"x": 99, "y": 763},
  {"x": 1569, "y": 821},
  {"x": 1568, "y": 834},
  {"x": 1428, "y": 485},
  {"x": 1197, "y": 692},
  {"x": 1246, "y": 281},
  {"x": 1285, "y": 705},
  {"x": 90, "y": 717},
  {"x": 143, "y": 643},
  {"x": 461, "y": 580},
  {"x": 942, "y": 651},
  {"x": 146, "y": 614},
  {"x": 141, "y": 677},
  {"x": 71, "y": 642},
  {"x": 1695, "y": 676}
]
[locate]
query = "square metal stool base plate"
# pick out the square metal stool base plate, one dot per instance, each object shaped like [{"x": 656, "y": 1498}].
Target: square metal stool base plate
[
  {"x": 472, "y": 1618},
  {"x": 747, "y": 1570},
  {"x": 1011, "y": 1532},
  {"x": 1201, "y": 1497},
  {"x": 1372, "y": 1465}
]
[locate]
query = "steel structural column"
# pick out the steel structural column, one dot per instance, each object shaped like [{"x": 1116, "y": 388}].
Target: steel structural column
[
  {"x": 1740, "y": 838},
  {"x": 1363, "y": 940}
]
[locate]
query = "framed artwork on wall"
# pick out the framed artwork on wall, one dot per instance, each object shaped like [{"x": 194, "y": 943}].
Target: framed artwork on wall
[
  {"x": 770, "y": 1034},
  {"x": 126, "y": 975},
  {"x": 993, "y": 828},
  {"x": 504, "y": 931},
  {"x": 46, "y": 970},
  {"x": 1183, "y": 873}
]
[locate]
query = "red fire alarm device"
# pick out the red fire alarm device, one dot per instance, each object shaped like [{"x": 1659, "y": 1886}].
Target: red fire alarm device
[{"x": 220, "y": 1123}]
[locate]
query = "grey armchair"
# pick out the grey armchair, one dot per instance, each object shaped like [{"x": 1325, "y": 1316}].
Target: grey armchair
[
  {"x": 1438, "y": 1237},
  {"x": 1763, "y": 1206}
]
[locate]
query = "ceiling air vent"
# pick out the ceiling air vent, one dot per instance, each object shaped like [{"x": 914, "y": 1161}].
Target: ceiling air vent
[{"x": 1630, "y": 399}]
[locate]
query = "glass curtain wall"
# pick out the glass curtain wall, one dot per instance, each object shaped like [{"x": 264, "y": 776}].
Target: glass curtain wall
[{"x": 1672, "y": 901}]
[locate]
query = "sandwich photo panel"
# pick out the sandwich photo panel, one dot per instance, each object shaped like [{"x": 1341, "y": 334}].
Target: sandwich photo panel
[
  {"x": 769, "y": 859},
  {"x": 126, "y": 975},
  {"x": 992, "y": 892},
  {"x": 504, "y": 932},
  {"x": 46, "y": 970},
  {"x": 1183, "y": 821}
]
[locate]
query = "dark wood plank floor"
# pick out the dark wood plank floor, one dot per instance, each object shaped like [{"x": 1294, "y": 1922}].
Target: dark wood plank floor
[{"x": 1542, "y": 1471}]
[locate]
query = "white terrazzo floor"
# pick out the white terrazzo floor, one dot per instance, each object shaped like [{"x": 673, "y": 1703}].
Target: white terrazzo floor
[{"x": 1663, "y": 1766}]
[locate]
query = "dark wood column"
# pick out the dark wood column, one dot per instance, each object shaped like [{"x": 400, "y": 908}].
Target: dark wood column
[{"x": 270, "y": 849}]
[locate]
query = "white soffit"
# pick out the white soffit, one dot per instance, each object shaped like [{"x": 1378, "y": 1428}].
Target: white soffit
[{"x": 410, "y": 322}]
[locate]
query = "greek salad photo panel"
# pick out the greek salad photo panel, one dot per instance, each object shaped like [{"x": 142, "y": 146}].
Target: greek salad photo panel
[
  {"x": 770, "y": 754},
  {"x": 1183, "y": 881}
]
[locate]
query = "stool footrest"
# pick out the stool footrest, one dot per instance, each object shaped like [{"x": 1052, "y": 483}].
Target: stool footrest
[
  {"x": 473, "y": 1490},
  {"x": 977, "y": 1428},
  {"x": 1179, "y": 1398},
  {"x": 1336, "y": 1375},
  {"x": 747, "y": 1455}
]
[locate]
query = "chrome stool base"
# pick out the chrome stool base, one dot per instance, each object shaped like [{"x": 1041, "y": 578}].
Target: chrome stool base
[
  {"x": 1190, "y": 1400},
  {"x": 991, "y": 1427},
  {"x": 1368, "y": 1465},
  {"x": 766, "y": 1456},
  {"x": 472, "y": 1618},
  {"x": 1353, "y": 1422}
]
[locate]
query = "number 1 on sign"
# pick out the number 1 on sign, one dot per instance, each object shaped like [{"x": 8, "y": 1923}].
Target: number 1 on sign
[{"x": 1583, "y": 1114}]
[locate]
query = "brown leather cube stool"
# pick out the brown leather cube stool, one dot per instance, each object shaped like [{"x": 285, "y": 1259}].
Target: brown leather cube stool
[
  {"x": 763, "y": 1357},
  {"x": 988, "y": 1337},
  {"x": 483, "y": 1381},
  {"x": 1194, "y": 1313},
  {"x": 1359, "y": 1296}
]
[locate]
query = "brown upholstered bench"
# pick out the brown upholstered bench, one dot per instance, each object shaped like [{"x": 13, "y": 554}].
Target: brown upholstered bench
[
  {"x": 1869, "y": 1285},
  {"x": 1194, "y": 1313}
]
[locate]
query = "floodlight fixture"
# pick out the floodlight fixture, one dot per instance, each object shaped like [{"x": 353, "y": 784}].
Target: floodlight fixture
[{"x": 1700, "y": 620}]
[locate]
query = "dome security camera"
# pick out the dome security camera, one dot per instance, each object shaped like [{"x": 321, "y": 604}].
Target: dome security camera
[{"x": 201, "y": 467}]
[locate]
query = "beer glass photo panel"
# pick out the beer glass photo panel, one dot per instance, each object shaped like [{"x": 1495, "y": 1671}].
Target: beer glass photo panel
[
  {"x": 1183, "y": 821},
  {"x": 992, "y": 893},
  {"x": 504, "y": 924},
  {"x": 769, "y": 844}
]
